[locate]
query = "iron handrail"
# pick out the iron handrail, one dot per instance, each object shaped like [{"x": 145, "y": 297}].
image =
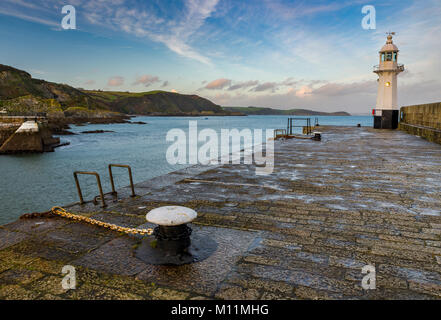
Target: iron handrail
[
  {"x": 282, "y": 131},
  {"x": 291, "y": 125},
  {"x": 76, "y": 173},
  {"x": 399, "y": 67},
  {"x": 130, "y": 177}
]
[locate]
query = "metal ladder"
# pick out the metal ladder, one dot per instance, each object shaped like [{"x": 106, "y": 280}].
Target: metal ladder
[{"x": 100, "y": 188}]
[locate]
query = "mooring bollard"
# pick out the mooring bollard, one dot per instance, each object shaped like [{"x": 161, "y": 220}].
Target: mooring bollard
[
  {"x": 317, "y": 136},
  {"x": 172, "y": 233},
  {"x": 172, "y": 244}
]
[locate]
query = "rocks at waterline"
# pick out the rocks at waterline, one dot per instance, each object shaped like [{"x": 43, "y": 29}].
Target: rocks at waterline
[
  {"x": 96, "y": 131},
  {"x": 138, "y": 122}
]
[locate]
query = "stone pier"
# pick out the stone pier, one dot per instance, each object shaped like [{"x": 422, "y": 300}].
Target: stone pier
[{"x": 359, "y": 197}]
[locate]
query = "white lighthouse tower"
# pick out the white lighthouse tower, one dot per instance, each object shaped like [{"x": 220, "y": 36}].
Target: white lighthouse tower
[{"x": 386, "y": 110}]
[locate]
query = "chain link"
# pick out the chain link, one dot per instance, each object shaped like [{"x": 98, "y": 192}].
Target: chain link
[{"x": 58, "y": 211}]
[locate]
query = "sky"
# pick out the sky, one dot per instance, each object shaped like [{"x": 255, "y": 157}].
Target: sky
[{"x": 311, "y": 54}]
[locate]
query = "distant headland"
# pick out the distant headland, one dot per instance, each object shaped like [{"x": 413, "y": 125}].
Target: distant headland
[{"x": 290, "y": 112}]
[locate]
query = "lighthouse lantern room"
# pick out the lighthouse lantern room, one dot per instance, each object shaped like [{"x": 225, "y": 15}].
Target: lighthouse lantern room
[{"x": 386, "y": 110}]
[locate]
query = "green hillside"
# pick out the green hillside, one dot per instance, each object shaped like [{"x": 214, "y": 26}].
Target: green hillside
[
  {"x": 20, "y": 93},
  {"x": 157, "y": 103}
]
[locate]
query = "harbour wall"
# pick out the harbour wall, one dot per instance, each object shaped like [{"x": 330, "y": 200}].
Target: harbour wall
[
  {"x": 27, "y": 137},
  {"x": 422, "y": 120},
  {"x": 6, "y": 131}
]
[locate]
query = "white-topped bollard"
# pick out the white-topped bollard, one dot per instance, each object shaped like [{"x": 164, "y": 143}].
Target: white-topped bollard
[
  {"x": 172, "y": 236},
  {"x": 171, "y": 216},
  {"x": 172, "y": 244},
  {"x": 317, "y": 136}
]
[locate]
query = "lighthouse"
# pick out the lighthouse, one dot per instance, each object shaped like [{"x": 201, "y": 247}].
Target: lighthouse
[{"x": 386, "y": 110}]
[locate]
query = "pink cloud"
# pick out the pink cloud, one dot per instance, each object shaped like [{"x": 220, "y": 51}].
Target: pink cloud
[
  {"x": 115, "y": 81},
  {"x": 218, "y": 84},
  {"x": 146, "y": 80}
]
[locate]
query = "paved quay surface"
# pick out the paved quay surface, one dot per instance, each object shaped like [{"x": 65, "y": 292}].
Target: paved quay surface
[{"x": 358, "y": 197}]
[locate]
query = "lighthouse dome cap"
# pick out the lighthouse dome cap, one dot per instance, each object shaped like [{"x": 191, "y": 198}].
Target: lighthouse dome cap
[{"x": 389, "y": 46}]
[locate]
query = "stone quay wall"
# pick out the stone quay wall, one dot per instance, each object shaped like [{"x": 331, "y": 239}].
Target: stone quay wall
[
  {"x": 422, "y": 120},
  {"x": 6, "y": 131},
  {"x": 13, "y": 142}
]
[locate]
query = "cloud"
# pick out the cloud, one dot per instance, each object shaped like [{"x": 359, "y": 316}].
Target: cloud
[
  {"x": 243, "y": 85},
  {"x": 20, "y": 15},
  {"x": 290, "y": 82},
  {"x": 39, "y": 72},
  {"x": 115, "y": 81},
  {"x": 221, "y": 98},
  {"x": 301, "y": 8},
  {"x": 266, "y": 86},
  {"x": 341, "y": 89},
  {"x": 171, "y": 24},
  {"x": 165, "y": 84},
  {"x": 302, "y": 92},
  {"x": 146, "y": 80},
  {"x": 218, "y": 84},
  {"x": 89, "y": 82},
  {"x": 175, "y": 33},
  {"x": 255, "y": 85}
]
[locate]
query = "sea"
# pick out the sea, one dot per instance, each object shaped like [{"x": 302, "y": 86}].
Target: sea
[{"x": 36, "y": 182}]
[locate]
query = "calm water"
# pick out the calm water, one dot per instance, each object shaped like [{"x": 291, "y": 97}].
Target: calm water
[{"x": 30, "y": 183}]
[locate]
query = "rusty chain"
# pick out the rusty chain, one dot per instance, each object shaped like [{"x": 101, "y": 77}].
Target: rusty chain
[{"x": 59, "y": 211}]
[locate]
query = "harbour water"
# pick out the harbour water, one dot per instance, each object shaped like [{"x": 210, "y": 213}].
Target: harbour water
[{"x": 36, "y": 182}]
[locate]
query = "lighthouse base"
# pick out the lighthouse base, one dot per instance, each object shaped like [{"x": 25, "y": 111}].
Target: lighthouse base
[{"x": 387, "y": 120}]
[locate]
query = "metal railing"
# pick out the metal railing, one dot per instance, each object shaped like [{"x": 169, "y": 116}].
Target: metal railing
[
  {"x": 130, "y": 177},
  {"x": 400, "y": 67},
  {"x": 291, "y": 125},
  {"x": 101, "y": 196},
  {"x": 98, "y": 180},
  {"x": 281, "y": 131}
]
